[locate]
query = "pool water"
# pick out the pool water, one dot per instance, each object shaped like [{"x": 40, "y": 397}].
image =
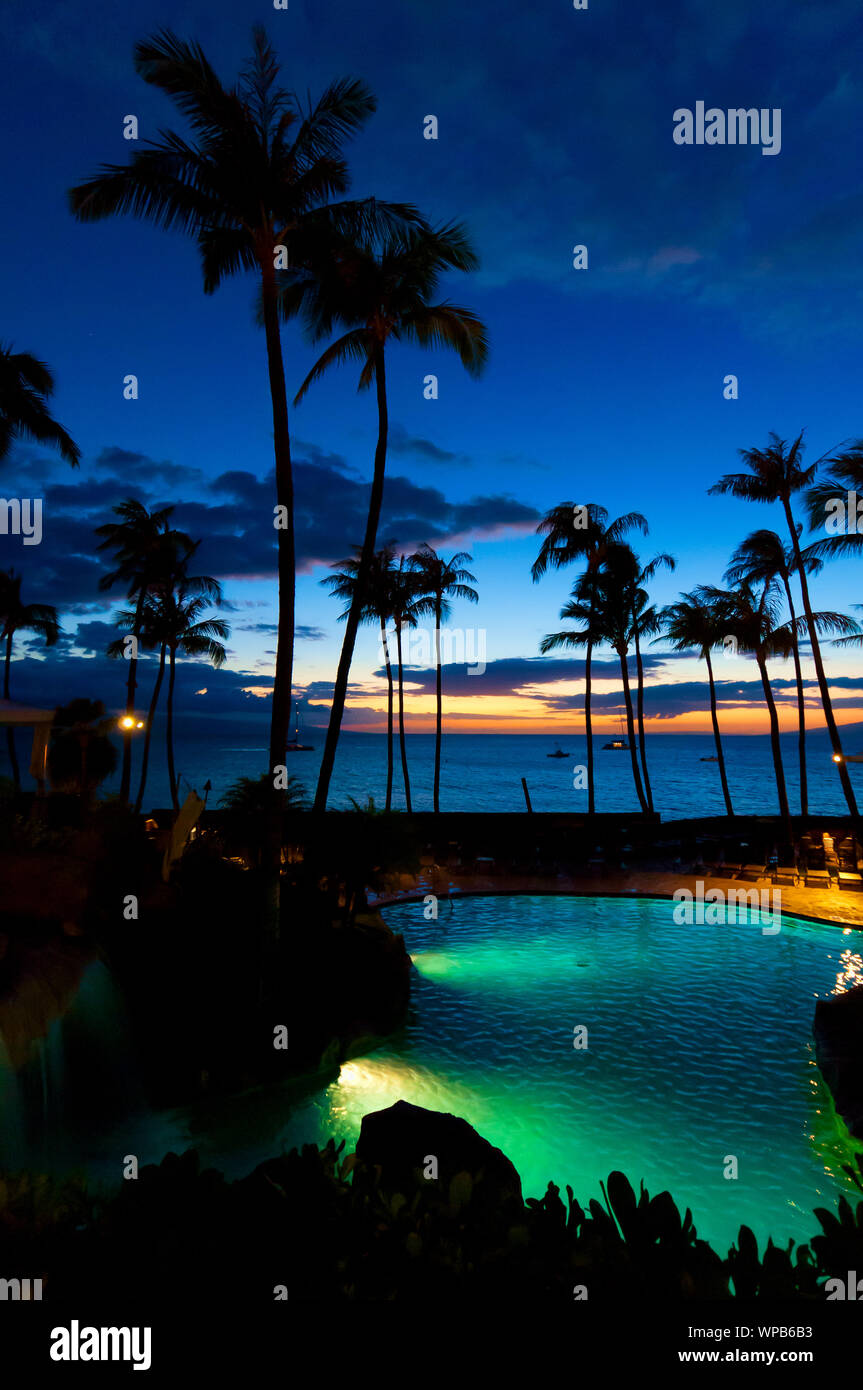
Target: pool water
[{"x": 699, "y": 1047}]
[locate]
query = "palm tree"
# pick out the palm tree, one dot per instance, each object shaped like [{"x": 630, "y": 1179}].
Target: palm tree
[
  {"x": 582, "y": 533},
  {"x": 16, "y": 616},
  {"x": 380, "y": 289},
  {"x": 844, "y": 475},
  {"x": 252, "y": 184},
  {"x": 170, "y": 622},
  {"x": 694, "y": 621},
  {"x": 751, "y": 617},
  {"x": 762, "y": 559},
  {"x": 376, "y": 608},
  {"x": 775, "y": 474},
  {"x": 25, "y": 385},
  {"x": 617, "y": 597},
  {"x": 402, "y": 597},
  {"x": 440, "y": 581},
  {"x": 143, "y": 547},
  {"x": 645, "y": 622},
  {"x": 581, "y": 608}
]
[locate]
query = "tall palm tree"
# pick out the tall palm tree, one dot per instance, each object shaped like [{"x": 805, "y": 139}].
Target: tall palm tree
[
  {"x": 695, "y": 621},
  {"x": 776, "y": 474},
  {"x": 617, "y": 597},
  {"x": 257, "y": 174},
  {"x": 379, "y": 290},
  {"x": 16, "y": 616},
  {"x": 143, "y": 546},
  {"x": 441, "y": 581},
  {"x": 25, "y": 385},
  {"x": 762, "y": 558},
  {"x": 157, "y": 623},
  {"x": 645, "y": 622},
  {"x": 377, "y": 607},
  {"x": 844, "y": 474},
  {"x": 402, "y": 597},
  {"x": 582, "y": 533},
  {"x": 751, "y": 615},
  {"x": 580, "y": 608}
]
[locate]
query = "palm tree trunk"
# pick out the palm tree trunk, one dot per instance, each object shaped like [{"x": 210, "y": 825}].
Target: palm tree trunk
[
  {"x": 386, "y": 647},
  {"x": 280, "y": 717},
  {"x": 716, "y": 735},
  {"x": 360, "y": 587},
  {"x": 131, "y": 685},
  {"x": 10, "y": 733},
  {"x": 439, "y": 724},
  {"x": 801, "y": 702},
  {"x": 630, "y": 725},
  {"x": 408, "y": 806},
  {"x": 145, "y": 754},
  {"x": 776, "y": 747},
  {"x": 588, "y": 731},
  {"x": 826, "y": 702},
  {"x": 639, "y": 666},
  {"x": 170, "y": 732}
]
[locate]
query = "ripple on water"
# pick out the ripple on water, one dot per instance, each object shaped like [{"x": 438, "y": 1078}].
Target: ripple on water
[{"x": 699, "y": 1047}]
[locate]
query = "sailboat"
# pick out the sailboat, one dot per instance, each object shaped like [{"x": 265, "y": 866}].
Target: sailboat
[
  {"x": 617, "y": 745},
  {"x": 295, "y": 746}
]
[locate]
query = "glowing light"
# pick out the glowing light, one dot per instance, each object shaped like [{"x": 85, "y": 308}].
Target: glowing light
[
  {"x": 837, "y": 757},
  {"x": 127, "y": 722}
]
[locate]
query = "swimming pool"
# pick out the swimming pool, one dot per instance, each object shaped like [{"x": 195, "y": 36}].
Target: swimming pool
[{"x": 699, "y": 1048}]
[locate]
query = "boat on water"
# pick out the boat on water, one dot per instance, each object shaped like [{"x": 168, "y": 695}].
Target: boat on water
[
  {"x": 714, "y": 759},
  {"x": 617, "y": 745},
  {"x": 295, "y": 746},
  {"x": 558, "y": 753}
]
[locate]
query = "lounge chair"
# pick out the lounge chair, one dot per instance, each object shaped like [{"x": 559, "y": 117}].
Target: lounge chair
[
  {"x": 753, "y": 872},
  {"x": 851, "y": 882},
  {"x": 817, "y": 878},
  {"x": 785, "y": 875}
]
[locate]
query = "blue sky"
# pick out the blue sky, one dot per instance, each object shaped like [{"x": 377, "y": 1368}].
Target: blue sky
[{"x": 605, "y": 385}]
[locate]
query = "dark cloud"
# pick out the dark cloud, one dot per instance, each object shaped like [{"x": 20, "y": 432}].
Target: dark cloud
[{"x": 404, "y": 445}]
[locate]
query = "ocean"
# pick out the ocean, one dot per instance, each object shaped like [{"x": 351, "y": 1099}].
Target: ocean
[{"x": 483, "y": 772}]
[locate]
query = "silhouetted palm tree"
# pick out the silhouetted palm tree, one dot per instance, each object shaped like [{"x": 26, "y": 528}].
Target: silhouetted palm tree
[
  {"x": 252, "y": 185},
  {"x": 143, "y": 546},
  {"x": 696, "y": 621},
  {"x": 645, "y": 622},
  {"x": 574, "y": 532},
  {"x": 380, "y": 289},
  {"x": 580, "y": 608},
  {"x": 16, "y": 616},
  {"x": 403, "y": 592},
  {"x": 440, "y": 581},
  {"x": 25, "y": 385},
  {"x": 844, "y": 475},
  {"x": 376, "y": 608},
  {"x": 762, "y": 559},
  {"x": 776, "y": 474}
]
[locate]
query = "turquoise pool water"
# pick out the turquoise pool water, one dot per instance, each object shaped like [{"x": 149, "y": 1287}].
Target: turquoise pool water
[{"x": 699, "y": 1047}]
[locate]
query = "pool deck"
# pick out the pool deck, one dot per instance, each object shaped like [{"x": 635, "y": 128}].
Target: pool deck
[{"x": 829, "y": 905}]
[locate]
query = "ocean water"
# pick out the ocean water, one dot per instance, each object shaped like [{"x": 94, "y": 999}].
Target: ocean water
[{"x": 483, "y": 772}]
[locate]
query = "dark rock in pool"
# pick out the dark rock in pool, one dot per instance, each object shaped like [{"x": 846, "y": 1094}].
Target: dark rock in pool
[
  {"x": 404, "y": 1137},
  {"x": 838, "y": 1030}
]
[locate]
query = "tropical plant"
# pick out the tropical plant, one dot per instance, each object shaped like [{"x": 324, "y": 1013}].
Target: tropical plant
[
  {"x": 379, "y": 290},
  {"x": 581, "y": 608},
  {"x": 763, "y": 559},
  {"x": 16, "y": 616},
  {"x": 81, "y": 754},
  {"x": 776, "y": 474},
  {"x": 25, "y": 386},
  {"x": 403, "y": 594},
  {"x": 254, "y": 186},
  {"x": 376, "y": 608},
  {"x": 645, "y": 622},
  {"x": 582, "y": 532},
  {"x": 695, "y": 621},
  {"x": 440, "y": 581},
  {"x": 144, "y": 549}
]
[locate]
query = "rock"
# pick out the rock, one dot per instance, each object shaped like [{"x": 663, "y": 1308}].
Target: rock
[
  {"x": 403, "y": 1137},
  {"x": 838, "y": 1030}
]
